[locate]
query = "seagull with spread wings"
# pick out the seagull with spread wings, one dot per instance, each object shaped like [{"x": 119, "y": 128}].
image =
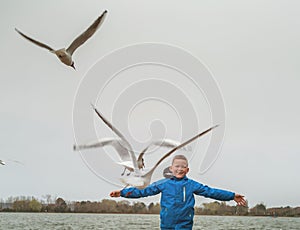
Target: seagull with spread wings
[
  {"x": 65, "y": 55},
  {"x": 123, "y": 152},
  {"x": 124, "y": 149}
]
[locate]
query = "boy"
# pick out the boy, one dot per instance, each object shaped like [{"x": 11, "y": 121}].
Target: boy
[{"x": 177, "y": 195}]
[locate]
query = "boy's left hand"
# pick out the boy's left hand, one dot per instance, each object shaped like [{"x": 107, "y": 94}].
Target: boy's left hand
[
  {"x": 115, "y": 193},
  {"x": 239, "y": 199}
]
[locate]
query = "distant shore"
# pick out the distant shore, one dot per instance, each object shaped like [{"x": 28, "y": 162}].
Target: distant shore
[{"x": 59, "y": 205}]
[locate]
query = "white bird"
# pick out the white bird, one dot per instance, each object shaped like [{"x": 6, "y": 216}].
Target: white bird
[
  {"x": 2, "y": 162},
  {"x": 123, "y": 153},
  {"x": 124, "y": 149},
  {"x": 142, "y": 181},
  {"x": 65, "y": 55}
]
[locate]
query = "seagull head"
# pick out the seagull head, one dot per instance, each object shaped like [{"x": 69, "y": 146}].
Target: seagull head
[{"x": 141, "y": 163}]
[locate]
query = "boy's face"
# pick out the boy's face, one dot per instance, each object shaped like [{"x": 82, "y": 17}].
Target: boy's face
[{"x": 179, "y": 168}]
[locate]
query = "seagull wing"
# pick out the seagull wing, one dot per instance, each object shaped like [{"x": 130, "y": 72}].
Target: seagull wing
[
  {"x": 2, "y": 162},
  {"x": 82, "y": 38},
  {"x": 119, "y": 134},
  {"x": 95, "y": 144},
  {"x": 35, "y": 41},
  {"x": 114, "y": 142},
  {"x": 167, "y": 143},
  {"x": 178, "y": 147},
  {"x": 141, "y": 155}
]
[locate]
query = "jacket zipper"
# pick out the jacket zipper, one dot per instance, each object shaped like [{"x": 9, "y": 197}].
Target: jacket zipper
[{"x": 183, "y": 193}]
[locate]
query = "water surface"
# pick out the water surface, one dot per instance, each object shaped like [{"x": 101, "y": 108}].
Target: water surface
[{"x": 69, "y": 221}]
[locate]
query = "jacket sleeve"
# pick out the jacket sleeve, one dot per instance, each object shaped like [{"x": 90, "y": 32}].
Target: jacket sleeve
[
  {"x": 151, "y": 190},
  {"x": 217, "y": 194}
]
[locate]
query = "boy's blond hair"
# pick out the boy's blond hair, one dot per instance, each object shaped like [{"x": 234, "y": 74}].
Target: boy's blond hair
[{"x": 180, "y": 157}]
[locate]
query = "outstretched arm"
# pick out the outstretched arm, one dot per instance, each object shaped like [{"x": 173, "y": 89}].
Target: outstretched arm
[
  {"x": 133, "y": 192},
  {"x": 239, "y": 199}
]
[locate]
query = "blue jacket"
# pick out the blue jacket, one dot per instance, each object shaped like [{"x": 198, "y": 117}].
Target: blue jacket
[{"x": 177, "y": 199}]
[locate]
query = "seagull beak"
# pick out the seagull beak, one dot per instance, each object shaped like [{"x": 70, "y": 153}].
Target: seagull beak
[{"x": 72, "y": 65}]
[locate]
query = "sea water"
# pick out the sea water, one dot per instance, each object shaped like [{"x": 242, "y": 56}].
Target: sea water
[{"x": 68, "y": 221}]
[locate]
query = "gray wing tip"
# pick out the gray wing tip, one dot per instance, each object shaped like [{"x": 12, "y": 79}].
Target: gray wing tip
[
  {"x": 16, "y": 29},
  {"x": 215, "y": 126},
  {"x": 93, "y": 106}
]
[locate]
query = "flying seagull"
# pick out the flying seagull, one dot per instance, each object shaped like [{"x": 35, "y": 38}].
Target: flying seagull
[
  {"x": 123, "y": 147},
  {"x": 65, "y": 55},
  {"x": 124, "y": 153},
  {"x": 142, "y": 181}
]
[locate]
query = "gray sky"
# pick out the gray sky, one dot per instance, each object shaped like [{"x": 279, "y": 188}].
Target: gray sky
[{"x": 250, "y": 47}]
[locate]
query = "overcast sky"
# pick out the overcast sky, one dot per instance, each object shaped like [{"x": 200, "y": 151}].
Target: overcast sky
[{"x": 251, "y": 49}]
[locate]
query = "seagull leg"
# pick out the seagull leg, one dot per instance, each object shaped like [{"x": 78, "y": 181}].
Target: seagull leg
[{"x": 122, "y": 174}]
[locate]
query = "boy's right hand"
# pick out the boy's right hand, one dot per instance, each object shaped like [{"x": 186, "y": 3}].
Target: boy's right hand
[{"x": 115, "y": 193}]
